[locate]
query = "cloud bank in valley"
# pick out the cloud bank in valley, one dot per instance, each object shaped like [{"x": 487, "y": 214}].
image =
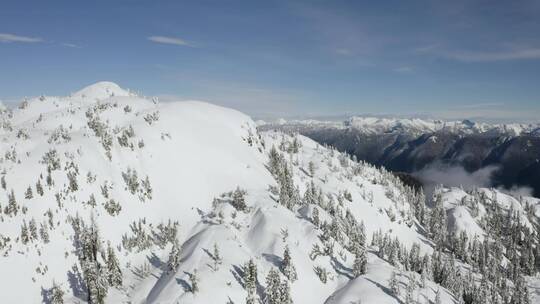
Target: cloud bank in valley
[{"x": 454, "y": 176}]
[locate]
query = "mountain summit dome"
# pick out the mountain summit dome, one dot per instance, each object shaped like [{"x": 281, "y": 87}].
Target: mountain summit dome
[{"x": 101, "y": 90}]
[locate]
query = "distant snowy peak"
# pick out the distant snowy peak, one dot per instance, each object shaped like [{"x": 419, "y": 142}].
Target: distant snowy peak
[
  {"x": 102, "y": 90},
  {"x": 416, "y": 126},
  {"x": 421, "y": 126}
]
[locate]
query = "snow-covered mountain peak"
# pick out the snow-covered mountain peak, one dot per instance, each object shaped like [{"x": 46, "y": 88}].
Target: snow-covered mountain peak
[{"x": 102, "y": 90}]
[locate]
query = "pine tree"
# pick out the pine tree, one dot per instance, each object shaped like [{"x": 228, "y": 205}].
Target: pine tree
[
  {"x": 94, "y": 273},
  {"x": 287, "y": 266},
  {"x": 274, "y": 161},
  {"x": 32, "y": 228},
  {"x": 273, "y": 287},
  {"x": 311, "y": 168},
  {"x": 216, "y": 257},
  {"x": 359, "y": 266},
  {"x": 437, "y": 224},
  {"x": 423, "y": 278},
  {"x": 285, "y": 293},
  {"x": 96, "y": 281},
  {"x": 49, "y": 179},
  {"x": 238, "y": 199},
  {"x": 174, "y": 256},
  {"x": 315, "y": 219},
  {"x": 25, "y": 237},
  {"x": 394, "y": 284},
  {"x": 3, "y": 182},
  {"x": 12, "y": 208},
  {"x": 28, "y": 194},
  {"x": 521, "y": 292},
  {"x": 44, "y": 233},
  {"x": 360, "y": 260},
  {"x": 39, "y": 188},
  {"x": 113, "y": 268},
  {"x": 57, "y": 294},
  {"x": 194, "y": 280},
  {"x": 411, "y": 286},
  {"x": 250, "y": 282}
]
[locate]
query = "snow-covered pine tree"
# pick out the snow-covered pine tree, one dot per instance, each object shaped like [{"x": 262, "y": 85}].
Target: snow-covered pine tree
[
  {"x": 311, "y": 168},
  {"x": 39, "y": 188},
  {"x": 250, "y": 282},
  {"x": 25, "y": 236},
  {"x": 437, "y": 221},
  {"x": 287, "y": 266},
  {"x": 216, "y": 257},
  {"x": 394, "y": 284},
  {"x": 174, "y": 256},
  {"x": 32, "y": 229},
  {"x": 44, "y": 233},
  {"x": 273, "y": 287},
  {"x": 12, "y": 208},
  {"x": 360, "y": 261},
  {"x": 423, "y": 278},
  {"x": 28, "y": 194},
  {"x": 521, "y": 292},
  {"x": 285, "y": 293},
  {"x": 94, "y": 273},
  {"x": 315, "y": 217},
  {"x": 239, "y": 200},
  {"x": 274, "y": 161},
  {"x": 194, "y": 280},
  {"x": 409, "y": 292},
  {"x": 57, "y": 294},
  {"x": 113, "y": 268}
]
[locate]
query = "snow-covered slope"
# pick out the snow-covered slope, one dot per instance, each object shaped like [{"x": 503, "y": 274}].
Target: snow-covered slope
[{"x": 164, "y": 185}]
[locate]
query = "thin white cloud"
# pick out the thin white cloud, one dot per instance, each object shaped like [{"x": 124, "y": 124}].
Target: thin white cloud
[
  {"x": 169, "y": 40},
  {"x": 8, "y": 38},
  {"x": 71, "y": 45},
  {"x": 511, "y": 52}
]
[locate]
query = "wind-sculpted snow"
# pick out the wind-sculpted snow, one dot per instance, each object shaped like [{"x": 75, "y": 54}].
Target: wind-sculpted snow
[{"x": 112, "y": 197}]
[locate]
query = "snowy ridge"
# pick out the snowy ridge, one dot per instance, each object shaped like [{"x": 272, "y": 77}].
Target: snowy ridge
[{"x": 176, "y": 198}]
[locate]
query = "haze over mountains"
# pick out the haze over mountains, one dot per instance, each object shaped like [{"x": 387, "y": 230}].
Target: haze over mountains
[{"x": 449, "y": 152}]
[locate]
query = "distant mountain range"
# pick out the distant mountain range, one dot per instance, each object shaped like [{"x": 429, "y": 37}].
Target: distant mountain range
[{"x": 412, "y": 145}]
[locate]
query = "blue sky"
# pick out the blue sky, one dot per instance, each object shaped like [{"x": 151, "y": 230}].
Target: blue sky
[{"x": 448, "y": 59}]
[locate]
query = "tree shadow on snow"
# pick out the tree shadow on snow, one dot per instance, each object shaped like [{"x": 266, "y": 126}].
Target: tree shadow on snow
[
  {"x": 341, "y": 269},
  {"x": 76, "y": 283},
  {"x": 272, "y": 258},
  {"x": 185, "y": 285},
  {"x": 238, "y": 274},
  {"x": 385, "y": 289},
  {"x": 46, "y": 295},
  {"x": 155, "y": 261}
]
